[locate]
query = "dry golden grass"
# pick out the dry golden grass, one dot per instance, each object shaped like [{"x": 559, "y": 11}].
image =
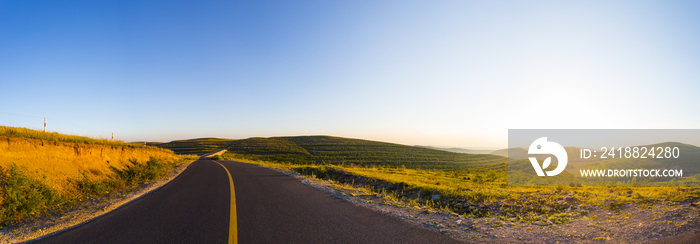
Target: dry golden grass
[{"x": 57, "y": 163}]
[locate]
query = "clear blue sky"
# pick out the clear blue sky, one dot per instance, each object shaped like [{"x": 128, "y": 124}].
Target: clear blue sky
[{"x": 413, "y": 72}]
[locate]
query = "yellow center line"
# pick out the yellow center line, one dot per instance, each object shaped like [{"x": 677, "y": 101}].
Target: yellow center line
[{"x": 233, "y": 227}]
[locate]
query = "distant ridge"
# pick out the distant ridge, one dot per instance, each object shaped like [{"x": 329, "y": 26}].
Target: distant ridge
[
  {"x": 518, "y": 153},
  {"x": 458, "y": 150}
]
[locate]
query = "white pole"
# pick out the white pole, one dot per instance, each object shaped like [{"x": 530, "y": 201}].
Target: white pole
[
  {"x": 44, "y": 124},
  {"x": 112, "y": 136}
]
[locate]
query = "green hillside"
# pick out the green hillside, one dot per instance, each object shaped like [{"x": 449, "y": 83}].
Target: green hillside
[
  {"x": 198, "y": 146},
  {"x": 338, "y": 151}
]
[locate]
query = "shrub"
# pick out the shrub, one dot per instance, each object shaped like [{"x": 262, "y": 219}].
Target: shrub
[
  {"x": 142, "y": 173},
  {"x": 89, "y": 187},
  {"x": 22, "y": 195}
]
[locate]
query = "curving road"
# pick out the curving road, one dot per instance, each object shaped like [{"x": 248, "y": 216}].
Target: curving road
[{"x": 270, "y": 207}]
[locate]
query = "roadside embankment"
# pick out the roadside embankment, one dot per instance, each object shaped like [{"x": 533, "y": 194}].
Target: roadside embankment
[
  {"x": 49, "y": 173},
  {"x": 58, "y": 163},
  {"x": 84, "y": 211}
]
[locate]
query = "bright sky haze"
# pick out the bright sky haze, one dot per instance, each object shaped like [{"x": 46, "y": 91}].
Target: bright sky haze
[{"x": 442, "y": 73}]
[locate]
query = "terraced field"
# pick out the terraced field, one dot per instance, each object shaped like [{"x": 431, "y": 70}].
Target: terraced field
[{"x": 328, "y": 150}]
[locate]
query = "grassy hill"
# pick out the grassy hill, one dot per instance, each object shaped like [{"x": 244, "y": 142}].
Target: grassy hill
[
  {"x": 198, "y": 146},
  {"x": 340, "y": 151}
]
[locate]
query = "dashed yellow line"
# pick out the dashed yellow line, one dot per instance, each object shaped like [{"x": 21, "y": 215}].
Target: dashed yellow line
[{"x": 232, "y": 226}]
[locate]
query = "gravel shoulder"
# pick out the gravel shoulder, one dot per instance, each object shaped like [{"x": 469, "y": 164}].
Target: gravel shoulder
[{"x": 56, "y": 222}]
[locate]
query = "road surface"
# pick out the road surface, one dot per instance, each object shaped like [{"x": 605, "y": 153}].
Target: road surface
[{"x": 270, "y": 207}]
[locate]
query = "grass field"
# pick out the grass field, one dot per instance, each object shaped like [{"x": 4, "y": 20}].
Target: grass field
[{"x": 469, "y": 185}]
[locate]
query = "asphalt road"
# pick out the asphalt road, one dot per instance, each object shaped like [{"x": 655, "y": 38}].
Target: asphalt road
[{"x": 270, "y": 207}]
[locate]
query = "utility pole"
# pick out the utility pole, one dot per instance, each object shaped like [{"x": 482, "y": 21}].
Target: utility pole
[
  {"x": 112, "y": 136},
  {"x": 44, "y": 124}
]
